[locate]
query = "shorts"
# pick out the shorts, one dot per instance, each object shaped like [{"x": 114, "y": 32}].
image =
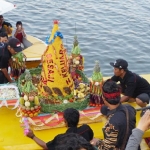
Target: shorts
[{"x": 144, "y": 97}]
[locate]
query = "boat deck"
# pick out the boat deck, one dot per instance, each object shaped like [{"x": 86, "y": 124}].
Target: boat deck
[
  {"x": 12, "y": 137},
  {"x": 36, "y": 50}
]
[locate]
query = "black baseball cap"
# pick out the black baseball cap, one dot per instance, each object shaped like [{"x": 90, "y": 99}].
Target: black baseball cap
[
  {"x": 120, "y": 63},
  {"x": 15, "y": 44}
]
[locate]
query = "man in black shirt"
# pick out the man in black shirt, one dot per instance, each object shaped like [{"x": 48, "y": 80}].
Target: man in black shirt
[{"x": 133, "y": 86}]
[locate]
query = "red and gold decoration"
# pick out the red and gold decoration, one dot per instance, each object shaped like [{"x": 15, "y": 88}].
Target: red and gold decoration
[
  {"x": 56, "y": 84},
  {"x": 76, "y": 63}
]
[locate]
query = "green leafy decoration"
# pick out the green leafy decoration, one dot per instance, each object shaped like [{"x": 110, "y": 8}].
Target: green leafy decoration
[{"x": 84, "y": 78}]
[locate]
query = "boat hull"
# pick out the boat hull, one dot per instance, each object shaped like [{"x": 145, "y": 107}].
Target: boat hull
[
  {"x": 32, "y": 64},
  {"x": 34, "y": 49},
  {"x": 12, "y": 137}
]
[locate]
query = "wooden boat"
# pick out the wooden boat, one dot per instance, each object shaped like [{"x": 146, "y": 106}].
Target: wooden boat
[
  {"x": 34, "y": 49},
  {"x": 12, "y": 137}
]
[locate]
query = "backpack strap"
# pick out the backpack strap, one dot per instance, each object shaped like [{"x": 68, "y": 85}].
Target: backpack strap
[{"x": 127, "y": 129}]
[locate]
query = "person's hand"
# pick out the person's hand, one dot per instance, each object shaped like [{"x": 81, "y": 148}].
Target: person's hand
[
  {"x": 17, "y": 30},
  {"x": 144, "y": 123},
  {"x": 22, "y": 29},
  {"x": 30, "y": 134},
  {"x": 94, "y": 141},
  {"x": 11, "y": 81}
]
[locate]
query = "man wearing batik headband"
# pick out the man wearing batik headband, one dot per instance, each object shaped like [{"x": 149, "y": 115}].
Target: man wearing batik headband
[
  {"x": 117, "y": 129},
  {"x": 133, "y": 86}
]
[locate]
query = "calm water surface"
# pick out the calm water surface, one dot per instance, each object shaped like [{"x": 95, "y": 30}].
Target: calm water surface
[{"x": 106, "y": 29}]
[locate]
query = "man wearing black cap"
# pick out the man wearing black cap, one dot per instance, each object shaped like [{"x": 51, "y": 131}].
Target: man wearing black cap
[
  {"x": 14, "y": 46},
  {"x": 133, "y": 86},
  {"x": 17, "y": 62}
]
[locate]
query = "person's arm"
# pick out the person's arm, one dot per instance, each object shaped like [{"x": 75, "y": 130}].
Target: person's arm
[
  {"x": 16, "y": 32},
  {"x": 129, "y": 91},
  {"x": 115, "y": 78},
  {"x": 124, "y": 99},
  {"x": 137, "y": 133},
  {"x": 9, "y": 30},
  {"x": 3, "y": 67},
  {"x": 5, "y": 72},
  {"x": 41, "y": 143},
  {"x": 134, "y": 139},
  {"x": 23, "y": 32}
]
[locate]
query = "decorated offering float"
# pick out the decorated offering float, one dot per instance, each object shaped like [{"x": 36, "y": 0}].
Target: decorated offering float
[
  {"x": 45, "y": 92},
  {"x": 29, "y": 101},
  {"x": 34, "y": 49},
  {"x": 62, "y": 82},
  {"x": 76, "y": 65},
  {"x": 59, "y": 84}
]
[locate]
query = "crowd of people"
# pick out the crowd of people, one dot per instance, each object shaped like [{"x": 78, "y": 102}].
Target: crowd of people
[
  {"x": 120, "y": 131},
  {"x": 9, "y": 46},
  {"x": 6, "y": 27}
]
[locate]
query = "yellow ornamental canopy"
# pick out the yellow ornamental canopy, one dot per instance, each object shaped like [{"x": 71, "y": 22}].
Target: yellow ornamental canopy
[{"x": 55, "y": 77}]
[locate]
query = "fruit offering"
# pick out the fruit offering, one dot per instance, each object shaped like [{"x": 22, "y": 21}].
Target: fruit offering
[
  {"x": 30, "y": 105},
  {"x": 29, "y": 102},
  {"x": 76, "y": 64},
  {"x": 76, "y": 59},
  {"x": 82, "y": 91},
  {"x": 96, "y": 86}
]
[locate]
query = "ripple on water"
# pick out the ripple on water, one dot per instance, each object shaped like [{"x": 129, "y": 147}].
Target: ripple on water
[{"x": 106, "y": 30}]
